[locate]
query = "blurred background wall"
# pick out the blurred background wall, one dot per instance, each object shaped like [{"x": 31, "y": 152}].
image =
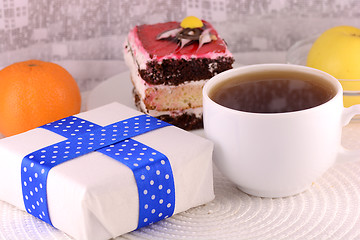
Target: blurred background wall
[{"x": 86, "y": 36}]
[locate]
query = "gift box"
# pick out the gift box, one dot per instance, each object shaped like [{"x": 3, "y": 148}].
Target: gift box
[{"x": 105, "y": 172}]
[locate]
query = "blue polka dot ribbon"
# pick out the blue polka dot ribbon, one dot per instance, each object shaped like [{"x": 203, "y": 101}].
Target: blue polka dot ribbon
[{"x": 151, "y": 168}]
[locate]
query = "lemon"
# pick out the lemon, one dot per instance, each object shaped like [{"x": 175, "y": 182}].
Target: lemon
[{"x": 336, "y": 51}]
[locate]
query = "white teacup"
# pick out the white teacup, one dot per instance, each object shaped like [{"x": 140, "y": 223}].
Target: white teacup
[{"x": 277, "y": 154}]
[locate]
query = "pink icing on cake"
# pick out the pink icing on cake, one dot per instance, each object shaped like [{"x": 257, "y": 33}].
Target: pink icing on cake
[{"x": 144, "y": 37}]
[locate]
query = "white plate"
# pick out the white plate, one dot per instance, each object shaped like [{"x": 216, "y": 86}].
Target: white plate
[
  {"x": 116, "y": 89},
  {"x": 119, "y": 89}
]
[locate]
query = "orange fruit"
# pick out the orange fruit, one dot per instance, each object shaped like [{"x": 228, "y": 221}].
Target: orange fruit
[{"x": 34, "y": 93}]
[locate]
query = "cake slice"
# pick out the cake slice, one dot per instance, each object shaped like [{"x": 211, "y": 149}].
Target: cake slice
[{"x": 169, "y": 65}]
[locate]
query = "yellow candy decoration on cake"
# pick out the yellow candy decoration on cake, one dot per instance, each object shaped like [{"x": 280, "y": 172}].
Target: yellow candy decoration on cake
[{"x": 191, "y": 22}]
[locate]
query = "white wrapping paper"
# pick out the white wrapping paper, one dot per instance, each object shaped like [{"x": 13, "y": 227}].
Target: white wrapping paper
[{"x": 95, "y": 196}]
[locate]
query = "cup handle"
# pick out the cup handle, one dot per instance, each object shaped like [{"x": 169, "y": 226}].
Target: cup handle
[{"x": 347, "y": 154}]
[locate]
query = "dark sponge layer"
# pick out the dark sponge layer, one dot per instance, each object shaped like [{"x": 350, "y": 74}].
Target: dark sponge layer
[
  {"x": 185, "y": 121},
  {"x": 177, "y": 71}
]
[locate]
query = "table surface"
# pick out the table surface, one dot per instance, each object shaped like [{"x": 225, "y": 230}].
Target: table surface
[{"x": 329, "y": 209}]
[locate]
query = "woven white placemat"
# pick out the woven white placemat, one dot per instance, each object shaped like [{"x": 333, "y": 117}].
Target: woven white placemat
[{"x": 330, "y": 209}]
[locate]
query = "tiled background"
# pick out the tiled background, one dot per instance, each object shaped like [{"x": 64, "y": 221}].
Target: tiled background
[{"x": 86, "y": 36}]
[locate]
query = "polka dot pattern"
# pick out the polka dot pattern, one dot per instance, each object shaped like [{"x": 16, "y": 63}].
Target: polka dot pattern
[
  {"x": 153, "y": 175},
  {"x": 151, "y": 168},
  {"x": 70, "y": 126}
]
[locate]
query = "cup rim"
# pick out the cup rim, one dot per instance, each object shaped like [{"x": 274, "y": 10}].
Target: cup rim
[{"x": 223, "y": 76}]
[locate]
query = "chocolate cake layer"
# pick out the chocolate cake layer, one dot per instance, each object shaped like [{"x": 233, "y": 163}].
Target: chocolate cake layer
[{"x": 174, "y": 72}]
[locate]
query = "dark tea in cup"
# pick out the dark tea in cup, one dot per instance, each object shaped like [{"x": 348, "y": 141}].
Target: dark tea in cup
[{"x": 272, "y": 92}]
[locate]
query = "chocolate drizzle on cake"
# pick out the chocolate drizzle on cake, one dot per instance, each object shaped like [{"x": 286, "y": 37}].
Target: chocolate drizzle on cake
[{"x": 188, "y": 35}]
